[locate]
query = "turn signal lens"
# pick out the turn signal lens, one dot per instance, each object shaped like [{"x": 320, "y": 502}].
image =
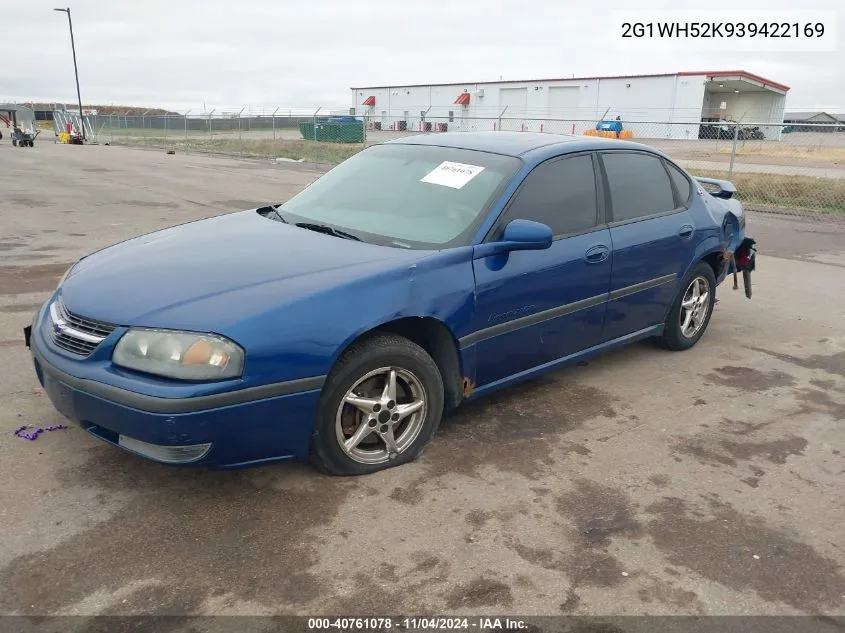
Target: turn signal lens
[{"x": 202, "y": 353}]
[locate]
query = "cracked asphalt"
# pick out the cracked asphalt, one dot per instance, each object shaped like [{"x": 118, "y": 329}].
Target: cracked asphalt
[{"x": 707, "y": 482}]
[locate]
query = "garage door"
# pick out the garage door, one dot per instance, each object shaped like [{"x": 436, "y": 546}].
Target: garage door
[
  {"x": 516, "y": 100},
  {"x": 563, "y": 102}
]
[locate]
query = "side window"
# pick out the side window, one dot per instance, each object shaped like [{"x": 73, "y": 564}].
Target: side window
[
  {"x": 639, "y": 185},
  {"x": 682, "y": 183},
  {"x": 560, "y": 193}
]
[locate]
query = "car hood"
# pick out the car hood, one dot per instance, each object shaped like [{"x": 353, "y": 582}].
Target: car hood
[{"x": 230, "y": 265}]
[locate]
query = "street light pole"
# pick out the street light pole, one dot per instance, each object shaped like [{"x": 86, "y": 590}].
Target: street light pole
[{"x": 75, "y": 69}]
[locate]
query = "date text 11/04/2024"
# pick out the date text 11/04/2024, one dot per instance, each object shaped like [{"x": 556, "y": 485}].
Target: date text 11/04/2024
[{"x": 412, "y": 623}]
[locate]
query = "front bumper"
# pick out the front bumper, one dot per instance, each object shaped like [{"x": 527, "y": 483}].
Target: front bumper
[{"x": 219, "y": 431}]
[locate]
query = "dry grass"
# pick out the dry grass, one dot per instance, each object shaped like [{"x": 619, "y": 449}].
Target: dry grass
[
  {"x": 791, "y": 193},
  {"x": 298, "y": 149},
  {"x": 798, "y": 193},
  {"x": 816, "y": 153}
]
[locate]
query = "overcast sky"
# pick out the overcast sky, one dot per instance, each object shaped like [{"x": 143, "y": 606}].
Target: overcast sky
[{"x": 182, "y": 54}]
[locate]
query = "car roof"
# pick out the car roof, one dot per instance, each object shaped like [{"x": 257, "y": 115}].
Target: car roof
[{"x": 518, "y": 143}]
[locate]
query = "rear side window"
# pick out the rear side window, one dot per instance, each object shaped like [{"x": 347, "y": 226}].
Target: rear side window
[
  {"x": 560, "y": 193},
  {"x": 682, "y": 184},
  {"x": 639, "y": 185}
]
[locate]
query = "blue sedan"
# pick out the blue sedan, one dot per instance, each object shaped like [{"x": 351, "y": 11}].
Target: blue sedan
[{"x": 340, "y": 326}]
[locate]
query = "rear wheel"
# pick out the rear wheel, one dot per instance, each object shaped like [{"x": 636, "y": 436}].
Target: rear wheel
[
  {"x": 381, "y": 405},
  {"x": 691, "y": 312}
]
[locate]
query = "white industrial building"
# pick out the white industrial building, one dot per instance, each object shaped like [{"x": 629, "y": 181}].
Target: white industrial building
[{"x": 662, "y": 105}]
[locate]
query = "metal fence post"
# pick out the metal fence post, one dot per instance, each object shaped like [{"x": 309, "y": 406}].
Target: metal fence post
[
  {"x": 186, "y": 126},
  {"x": 733, "y": 150},
  {"x": 240, "y": 134},
  {"x": 274, "y": 124},
  {"x": 501, "y": 114},
  {"x": 314, "y": 157}
]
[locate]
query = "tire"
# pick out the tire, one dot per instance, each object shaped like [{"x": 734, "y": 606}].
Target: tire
[
  {"x": 365, "y": 366},
  {"x": 675, "y": 337},
  {"x": 14, "y": 143}
]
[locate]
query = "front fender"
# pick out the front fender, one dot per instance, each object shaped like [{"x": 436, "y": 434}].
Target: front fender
[{"x": 440, "y": 287}]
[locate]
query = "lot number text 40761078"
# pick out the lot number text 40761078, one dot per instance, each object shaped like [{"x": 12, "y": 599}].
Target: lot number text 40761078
[{"x": 416, "y": 624}]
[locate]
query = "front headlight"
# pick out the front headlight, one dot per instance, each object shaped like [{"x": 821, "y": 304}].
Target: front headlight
[{"x": 179, "y": 355}]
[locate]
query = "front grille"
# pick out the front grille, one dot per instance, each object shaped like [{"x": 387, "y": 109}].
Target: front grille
[{"x": 74, "y": 333}]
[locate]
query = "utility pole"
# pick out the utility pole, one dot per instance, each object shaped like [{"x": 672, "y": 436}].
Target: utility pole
[{"x": 75, "y": 69}]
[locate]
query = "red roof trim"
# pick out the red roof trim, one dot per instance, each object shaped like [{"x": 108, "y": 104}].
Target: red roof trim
[
  {"x": 742, "y": 73},
  {"x": 463, "y": 99},
  {"x": 739, "y": 73}
]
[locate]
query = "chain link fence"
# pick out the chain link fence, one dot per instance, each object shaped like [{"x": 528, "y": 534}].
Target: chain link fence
[
  {"x": 282, "y": 135},
  {"x": 775, "y": 168}
]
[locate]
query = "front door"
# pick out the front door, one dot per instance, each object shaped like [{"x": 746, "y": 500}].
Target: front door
[
  {"x": 533, "y": 307},
  {"x": 652, "y": 234}
]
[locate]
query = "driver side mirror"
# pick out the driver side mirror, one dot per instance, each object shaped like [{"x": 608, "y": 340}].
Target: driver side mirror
[{"x": 519, "y": 235}]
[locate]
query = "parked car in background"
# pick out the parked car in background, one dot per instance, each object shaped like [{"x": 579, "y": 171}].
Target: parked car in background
[
  {"x": 719, "y": 131},
  {"x": 421, "y": 273},
  {"x": 750, "y": 133}
]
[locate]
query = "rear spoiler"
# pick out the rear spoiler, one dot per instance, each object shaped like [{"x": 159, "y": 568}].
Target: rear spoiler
[{"x": 726, "y": 187}]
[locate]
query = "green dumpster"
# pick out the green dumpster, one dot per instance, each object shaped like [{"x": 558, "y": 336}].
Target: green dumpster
[{"x": 333, "y": 130}]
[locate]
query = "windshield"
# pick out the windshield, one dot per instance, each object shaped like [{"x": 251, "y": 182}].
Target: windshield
[{"x": 412, "y": 196}]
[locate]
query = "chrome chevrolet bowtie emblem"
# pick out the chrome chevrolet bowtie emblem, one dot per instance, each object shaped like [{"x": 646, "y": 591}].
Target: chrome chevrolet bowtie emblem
[
  {"x": 59, "y": 324},
  {"x": 62, "y": 326}
]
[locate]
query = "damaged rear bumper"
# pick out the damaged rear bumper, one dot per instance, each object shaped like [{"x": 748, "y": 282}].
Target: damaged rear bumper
[{"x": 742, "y": 261}]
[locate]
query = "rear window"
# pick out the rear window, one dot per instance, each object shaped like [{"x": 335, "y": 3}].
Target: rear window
[{"x": 682, "y": 183}]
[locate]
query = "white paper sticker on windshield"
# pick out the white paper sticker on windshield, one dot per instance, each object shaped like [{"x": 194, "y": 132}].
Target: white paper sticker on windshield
[{"x": 454, "y": 175}]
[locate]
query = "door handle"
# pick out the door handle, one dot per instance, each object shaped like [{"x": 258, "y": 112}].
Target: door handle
[
  {"x": 597, "y": 254},
  {"x": 686, "y": 231}
]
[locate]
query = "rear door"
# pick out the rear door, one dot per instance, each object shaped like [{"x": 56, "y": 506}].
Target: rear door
[
  {"x": 533, "y": 307},
  {"x": 652, "y": 233}
]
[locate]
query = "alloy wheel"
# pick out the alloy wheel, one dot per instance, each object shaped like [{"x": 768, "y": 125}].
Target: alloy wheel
[
  {"x": 381, "y": 415},
  {"x": 694, "y": 307}
]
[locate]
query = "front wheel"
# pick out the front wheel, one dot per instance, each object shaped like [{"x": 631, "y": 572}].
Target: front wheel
[
  {"x": 691, "y": 312},
  {"x": 381, "y": 405}
]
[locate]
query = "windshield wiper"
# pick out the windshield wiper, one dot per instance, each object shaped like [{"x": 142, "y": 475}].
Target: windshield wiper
[
  {"x": 328, "y": 230},
  {"x": 278, "y": 215},
  {"x": 274, "y": 209}
]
